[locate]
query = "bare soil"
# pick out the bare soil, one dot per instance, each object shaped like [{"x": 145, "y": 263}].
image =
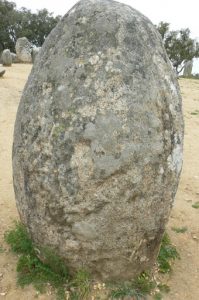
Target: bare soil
[{"x": 184, "y": 279}]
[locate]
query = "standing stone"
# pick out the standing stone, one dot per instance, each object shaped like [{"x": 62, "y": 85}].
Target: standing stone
[
  {"x": 34, "y": 53},
  {"x": 188, "y": 68},
  {"x": 6, "y": 58},
  {"x": 98, "y": 141},
  {"x": 23, "y": 50}
]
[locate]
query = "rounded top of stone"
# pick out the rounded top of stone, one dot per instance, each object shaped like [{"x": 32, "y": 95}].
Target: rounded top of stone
[
  {"x": 117, "y": 7},
  {"x": 6, "y": 50},
  {"x": 22, "y": 39}
]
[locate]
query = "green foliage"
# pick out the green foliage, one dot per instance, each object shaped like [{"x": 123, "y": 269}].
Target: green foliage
[
  {"x": 126, "y": 289},
  {"x": 52, "y": 270},
  {"x": 163, "y": 29},
  {"x": 158, "y": 296},
  {"x": 138, "y": 288},
  {"x": 196, "y": 205},
  {"x": 55, "y": 262},
  {"x": 179, "y": 229},
  {"x": 82, "y": 283},
  {"x": 164, "y": 288},
  {"x": 195, "y": 113},
  {"x": 16, "y": 23},
  {"x": 6, "y": 13},
  {"x": 144, "y": 284},
  {"x": 179, "y": 46},
  {"x": 19, "y": 240},
  {"x": 30, "y": 269},
  {"x": 167, "y": 254}
]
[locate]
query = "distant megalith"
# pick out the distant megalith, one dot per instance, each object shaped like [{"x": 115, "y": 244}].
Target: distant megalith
[
  {"x": 23, "y": 50},
  {"x": 98, "y": 141},
  {"x": 6, "y": 58},
  {"x": 34, "y": 53},
  {"x": 188, "y": 68}
]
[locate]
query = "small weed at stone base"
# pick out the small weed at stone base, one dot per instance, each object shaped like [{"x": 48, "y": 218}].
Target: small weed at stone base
[
  {"x": 51, "y": 270},
  {"x": 196, "y": 205},
  {"x": 126, "y": 289},
  {"x": 138, "y": 289},
  {"x": 31, "y": 270},
  {"x": 19, "y": 240},
  {"x": 164, "y": 288},
  {"x": 167, "y": 254},
  {"x": 145, "y": 284},
  {"x": 158, "y": 296},
  {"x": 179, "y": 229},
  {"x": 196, "y": 112},
  {"x": 82, "y": 284}
]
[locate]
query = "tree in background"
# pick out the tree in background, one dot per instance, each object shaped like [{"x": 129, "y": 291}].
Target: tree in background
[
  {"x": 16, "y": 23},
  {"x": 179, "y": 46},
  {"x": 7, "y": 13},
  {"x": 19, "y": 23}
]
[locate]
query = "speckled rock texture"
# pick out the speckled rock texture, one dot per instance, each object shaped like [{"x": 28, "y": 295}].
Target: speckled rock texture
[
  {"x": 14, "y": 58},
  {"x": 6, "y": 58},
  {"x": 98, "y": 141},
  {"x": 23, "y": 50},
  {"x": 34, "y": 53}
]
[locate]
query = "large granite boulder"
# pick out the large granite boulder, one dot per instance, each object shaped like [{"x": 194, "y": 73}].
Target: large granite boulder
[
  {"x": 6, "y": 58},
  {"x": 98, "y": 141},
  {"x": 23, "y": 50}
]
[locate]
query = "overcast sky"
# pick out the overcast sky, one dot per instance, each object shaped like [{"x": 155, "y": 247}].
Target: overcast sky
[{"x": 179, "y": 13}]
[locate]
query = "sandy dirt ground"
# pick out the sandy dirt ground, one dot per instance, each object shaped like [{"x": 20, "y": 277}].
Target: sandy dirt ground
[{"x": 184, "y": 280}]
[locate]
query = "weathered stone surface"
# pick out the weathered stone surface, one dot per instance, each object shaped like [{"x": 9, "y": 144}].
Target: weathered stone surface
[
  {"x": 2, "y": 71},
  {"x": 14, "y": 58},
  {"x": 188, "y": 68},
  {"x": 34, "y": 53},
  {"x": 98, "y": 141},
  {"x": 23, "y": 50},
  {"x": 6, "y": 58}
]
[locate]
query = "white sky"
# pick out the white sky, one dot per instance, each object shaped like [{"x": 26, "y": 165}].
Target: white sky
[{"x": 179, "y": 13}]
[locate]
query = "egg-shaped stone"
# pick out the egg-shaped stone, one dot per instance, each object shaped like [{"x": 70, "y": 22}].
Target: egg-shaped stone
[{"x": 98, "y": 141}]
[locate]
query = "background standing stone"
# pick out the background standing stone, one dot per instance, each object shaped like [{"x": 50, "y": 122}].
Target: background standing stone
[
  {"x": 188, "y": 68},
  {"x": 23, "y": 50},
  {"x": 98, "y": 141},
  {"x": 6, "y": 58}
]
